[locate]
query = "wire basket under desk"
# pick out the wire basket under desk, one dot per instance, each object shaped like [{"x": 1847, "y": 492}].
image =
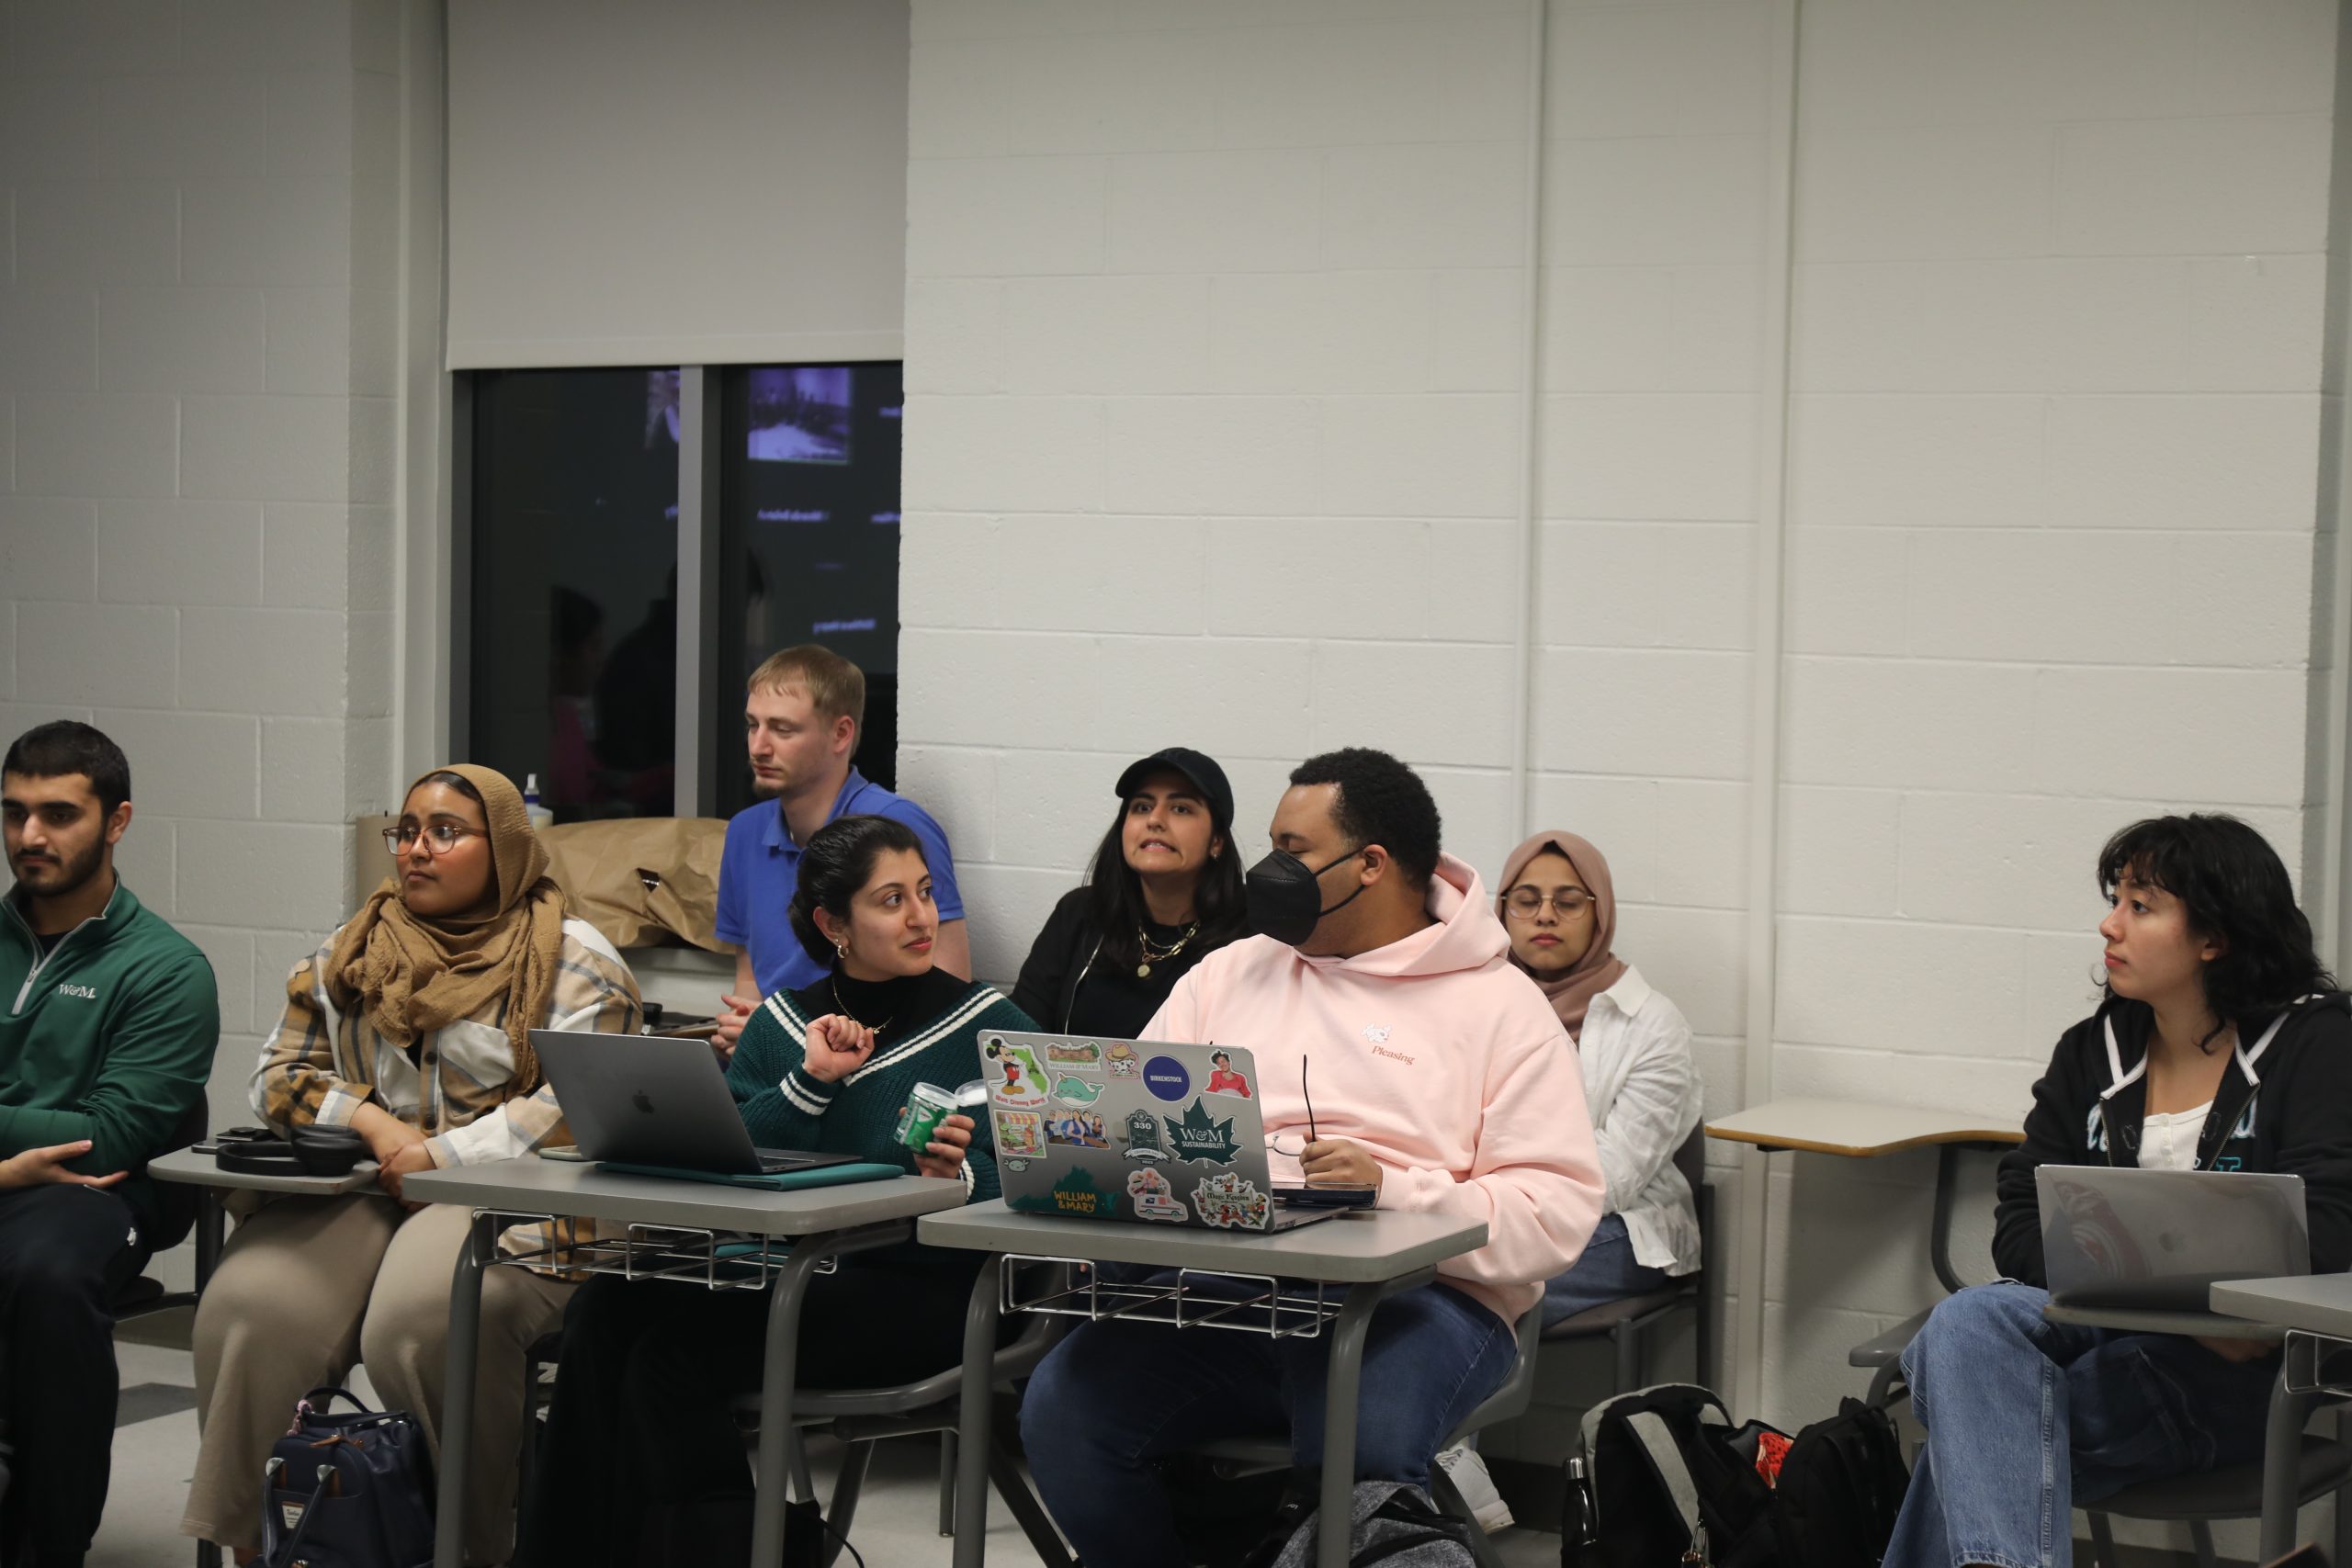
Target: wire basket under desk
[
  {"x": 717, "y": 1260},
  {"x": 1194, "y": 1298}
]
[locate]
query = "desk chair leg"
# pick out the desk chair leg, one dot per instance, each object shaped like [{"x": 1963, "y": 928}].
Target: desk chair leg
[
  {"x": 1628, "y": 1345},
  {"x": 1883, "y": 1383},
  {"x": 1026, "y": 1511},
  {"x": 2102, "y": 1542},
  {"x": 947, "y": 1484},
  {"x": 2280, "y": 1472},
  {"x": 2340, "y": 1503},
  {"x": 212, "y": 1234},
  {"x": 1448, "y": 1498},
  {"x": 804, "y": 1481},
  {"x": 855, "y": 1461},
  {"x": 2200, "y": 1537}
]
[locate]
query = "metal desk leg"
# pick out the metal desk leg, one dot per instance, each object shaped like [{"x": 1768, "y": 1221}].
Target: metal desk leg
[
  {"x": 211, "y": 1233},
  {"x": 1939, "y": 1237},
  {"x": 972, "y": 1435},
  {"x": 1342, "y": 1387},
  {"x": 457, "y": 1400},
  {"x": 771, "y": 1488},
  {"x": 2281, "y": 1470}
]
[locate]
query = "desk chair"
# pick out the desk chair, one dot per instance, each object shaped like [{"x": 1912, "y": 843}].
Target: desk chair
[
  {"x": 1624, "y": 1323},
  {"x": 862, "y": 1417},
  {"x": 1257, "y": 1455},
  {"x": 143, "y": 1295}
]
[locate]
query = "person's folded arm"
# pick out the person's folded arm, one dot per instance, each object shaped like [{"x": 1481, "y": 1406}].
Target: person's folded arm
[
  {"x": 1535, "y": 1179},
  {"x": 159, "y": 1044},
  {"x": 595, "y": 995},
  {"x": 295, "y": 1083},
  {"x": 1653, "y": 1111},
  {"x": 2314, "y": 1108},
  {"x": 2050, "y": 1138},
  {"x": 779, "y": 1102}
]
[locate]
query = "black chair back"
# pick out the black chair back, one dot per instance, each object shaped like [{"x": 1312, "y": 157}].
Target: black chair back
[{"x": 178, "y": 1201}]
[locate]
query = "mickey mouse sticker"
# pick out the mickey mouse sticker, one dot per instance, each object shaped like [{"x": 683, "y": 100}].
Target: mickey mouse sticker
[{"x": 1018, "y": 1080}]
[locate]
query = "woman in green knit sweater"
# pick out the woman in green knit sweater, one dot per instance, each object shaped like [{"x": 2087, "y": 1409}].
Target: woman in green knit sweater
[{"x": 641, "y": 1462}]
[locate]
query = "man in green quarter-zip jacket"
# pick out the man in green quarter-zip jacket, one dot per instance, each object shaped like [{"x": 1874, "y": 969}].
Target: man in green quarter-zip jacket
[{"x": 108, "y": 1019}]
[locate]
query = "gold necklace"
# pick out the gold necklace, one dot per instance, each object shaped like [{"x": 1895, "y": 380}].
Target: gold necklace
[
  {"x": 842, "y": 1003},
  {"x": 1143, "y": 970}
]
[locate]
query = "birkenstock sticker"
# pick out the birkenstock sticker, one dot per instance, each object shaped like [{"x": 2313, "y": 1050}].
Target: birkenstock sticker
[
  {"x": 1073, "y": 1194},
  {"x": 1154, "y": 1200},
  {"x": 1166, "y": 1079},
  {"x": 1228, "y": 1202},
  {"x": 1223, "y": 1079},
  {"x": 1086, "y": 1053},
  {"x": 1014, "y": 1077},
  {"x": 1122, "y": 1060},
  {"x": 1019, "y": 1132},
  {"x": 1143, "y": 1136},
  {"x": 1201, "y": 1135},
  {"x": 1071, "y": 1089},
  {"x": 1078, "y": 1129}
]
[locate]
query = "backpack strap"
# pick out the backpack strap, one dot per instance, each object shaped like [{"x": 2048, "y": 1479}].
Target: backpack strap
[{"x": 1657, "y": 1444}]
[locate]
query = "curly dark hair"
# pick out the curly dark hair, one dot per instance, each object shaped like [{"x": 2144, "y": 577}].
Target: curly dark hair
[
  {"x": 2234, "y": 890},
  {"x": 1380, "y": 801},
  {"x": 837, "y": 861}
]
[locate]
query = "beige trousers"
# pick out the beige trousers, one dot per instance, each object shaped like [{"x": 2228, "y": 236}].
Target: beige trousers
[{"x": 310, "y": 1287}]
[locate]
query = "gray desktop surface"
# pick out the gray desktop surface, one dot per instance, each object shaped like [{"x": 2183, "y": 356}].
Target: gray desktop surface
[
  {"x": 1367, "y": 1244},
  {"x": 187, "y": 1166},
  {"x": 571, "y": 1189},
  {"x": 2314, "y": 1304}
]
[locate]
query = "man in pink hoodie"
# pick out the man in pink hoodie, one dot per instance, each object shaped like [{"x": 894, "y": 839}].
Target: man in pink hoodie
[{"x": 1440, "y": 1076}]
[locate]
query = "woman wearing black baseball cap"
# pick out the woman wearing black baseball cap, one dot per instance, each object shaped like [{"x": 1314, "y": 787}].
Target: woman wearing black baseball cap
[{"x": 1164, "y": 889}]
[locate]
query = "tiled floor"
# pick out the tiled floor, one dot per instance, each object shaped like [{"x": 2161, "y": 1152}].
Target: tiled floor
[{"x": 897, "y": 1523}]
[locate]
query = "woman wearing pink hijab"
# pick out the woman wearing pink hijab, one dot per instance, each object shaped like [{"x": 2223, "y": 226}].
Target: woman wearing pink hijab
[{"x": 1560, "y": 909}]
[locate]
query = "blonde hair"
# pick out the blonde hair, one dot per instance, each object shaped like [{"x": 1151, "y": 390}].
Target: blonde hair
[{"x": 836, "y": 688}]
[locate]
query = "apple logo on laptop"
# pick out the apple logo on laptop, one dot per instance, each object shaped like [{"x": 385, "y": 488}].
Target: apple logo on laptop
[{"x": 643, "y": 1101}]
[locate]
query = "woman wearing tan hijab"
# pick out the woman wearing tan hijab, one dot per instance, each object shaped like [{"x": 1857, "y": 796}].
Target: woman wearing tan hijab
[
  {"x": 411, "y": 1025},
  {"x": 1559, "y": 907}
]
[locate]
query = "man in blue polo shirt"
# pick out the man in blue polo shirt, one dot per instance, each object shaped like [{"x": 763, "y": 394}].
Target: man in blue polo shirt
[{"x": 804, "y": 710}]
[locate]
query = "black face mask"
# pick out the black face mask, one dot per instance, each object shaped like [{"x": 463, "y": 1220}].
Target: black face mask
[{"x": 1285, "y": 901}]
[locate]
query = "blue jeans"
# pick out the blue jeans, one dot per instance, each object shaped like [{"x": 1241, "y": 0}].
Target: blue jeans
[
  {"x": 1114, "y": 1396},
  {"x": 1605, "y": 1272},
  {"x": 2026, "y": 1419}
]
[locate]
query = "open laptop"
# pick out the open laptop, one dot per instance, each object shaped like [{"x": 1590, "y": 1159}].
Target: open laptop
[
  {"x": 2119, "y": 1236},
  {"x": 1132, "y": 1131},
  {"x": 638, "y": 1099}
]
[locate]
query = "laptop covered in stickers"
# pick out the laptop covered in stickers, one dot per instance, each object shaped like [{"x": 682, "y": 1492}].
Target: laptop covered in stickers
[{"x": 1132, "y": 1131}]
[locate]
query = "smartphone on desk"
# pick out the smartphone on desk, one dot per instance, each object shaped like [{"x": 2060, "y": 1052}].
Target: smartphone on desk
[{"x": 1327, "y": 1197}]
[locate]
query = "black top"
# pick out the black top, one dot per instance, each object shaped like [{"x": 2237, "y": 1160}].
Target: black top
[
  {"x": 1069, "y": 988},
  {"x": 2292, "y": 1117},
  {"x": 893, "y": 1008},
  {"x": 48, "y": 940}
]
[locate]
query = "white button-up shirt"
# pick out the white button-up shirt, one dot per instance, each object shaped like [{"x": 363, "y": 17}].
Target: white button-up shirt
[{"x": 1642, "y": 1088}]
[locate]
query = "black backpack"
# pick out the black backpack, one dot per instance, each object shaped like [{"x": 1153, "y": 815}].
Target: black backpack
[{"x": 1663, "y": 1478}]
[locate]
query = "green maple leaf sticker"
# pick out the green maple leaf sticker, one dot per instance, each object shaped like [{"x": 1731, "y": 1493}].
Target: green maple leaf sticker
[{"x": 1200, "y": 1135}]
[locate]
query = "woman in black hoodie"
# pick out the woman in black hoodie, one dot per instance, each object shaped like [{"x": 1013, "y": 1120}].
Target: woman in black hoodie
[
  {"x": 1164, "y": 893},
  {"x": 2222, "y": 1045}
]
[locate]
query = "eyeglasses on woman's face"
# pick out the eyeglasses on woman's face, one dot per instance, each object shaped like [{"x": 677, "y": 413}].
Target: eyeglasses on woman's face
[
  {"x": 1568, "y": 903},
  {"x": 440, "y": 838}
]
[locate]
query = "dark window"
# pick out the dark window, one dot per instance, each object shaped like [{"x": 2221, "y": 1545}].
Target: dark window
[
  {"x": 808, "y": 543},
  {"x": 573, "y": 670}
]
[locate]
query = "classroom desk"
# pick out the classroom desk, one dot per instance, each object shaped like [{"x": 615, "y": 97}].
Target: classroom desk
[
  {"x": 2315, "y": 1305},
  {"x": 826, "y": 1222},
  {"x": 1854, "y": 1130},
  {"x": 1375, "y": 1252},
  {"x": 189, "y": 1169}
]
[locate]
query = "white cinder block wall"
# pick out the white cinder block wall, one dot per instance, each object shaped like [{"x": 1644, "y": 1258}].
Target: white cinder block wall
[
  {"x": 197, "y": 355},
  {"x": 1212, "y": 353}
]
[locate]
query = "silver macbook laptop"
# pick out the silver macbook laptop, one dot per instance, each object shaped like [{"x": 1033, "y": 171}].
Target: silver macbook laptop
[
  {"x": 639, "y": 1099},
  {"x": 1128, "y": 1130},
  {"x": 2119, "y": 1236}
]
